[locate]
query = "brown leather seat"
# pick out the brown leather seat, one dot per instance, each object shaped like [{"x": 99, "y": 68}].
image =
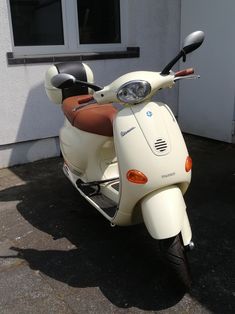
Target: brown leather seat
[{"x": 92, "y": 118}]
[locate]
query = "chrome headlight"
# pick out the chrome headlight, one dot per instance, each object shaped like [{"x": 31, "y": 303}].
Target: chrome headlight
[{"x": 133, "y": 91}]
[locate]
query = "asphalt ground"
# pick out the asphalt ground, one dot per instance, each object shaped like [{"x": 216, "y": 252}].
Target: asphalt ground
[{"x": 58, "y": 255}]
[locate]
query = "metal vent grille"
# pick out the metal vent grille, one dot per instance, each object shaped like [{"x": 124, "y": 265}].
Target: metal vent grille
[{"x": 161, "y": 146}]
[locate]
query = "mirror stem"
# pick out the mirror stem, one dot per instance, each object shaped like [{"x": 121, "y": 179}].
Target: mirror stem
[
  {"x": 90, "y": 85},
  {"x": 166, "y": 70}
]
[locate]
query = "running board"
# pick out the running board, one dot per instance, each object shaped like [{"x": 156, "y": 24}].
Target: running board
[{"x": 92, "y": 194}]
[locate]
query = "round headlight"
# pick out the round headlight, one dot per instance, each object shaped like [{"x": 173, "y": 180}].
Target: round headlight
[{"x": 133, "y": 91}]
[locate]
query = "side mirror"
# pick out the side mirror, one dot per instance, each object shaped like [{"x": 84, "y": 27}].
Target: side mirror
[
  {"x": 63, "y": 80},
  {"x": 193, "y": 41}
]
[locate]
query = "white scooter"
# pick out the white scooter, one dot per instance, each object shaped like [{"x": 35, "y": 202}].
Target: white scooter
[{"x": 132, "y": 164}]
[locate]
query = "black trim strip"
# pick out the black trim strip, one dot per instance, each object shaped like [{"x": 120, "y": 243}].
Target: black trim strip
[{"x": 130, "y": 52}]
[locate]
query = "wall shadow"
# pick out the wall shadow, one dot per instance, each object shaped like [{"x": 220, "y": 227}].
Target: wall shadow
[{"x": 40, "y": 120}]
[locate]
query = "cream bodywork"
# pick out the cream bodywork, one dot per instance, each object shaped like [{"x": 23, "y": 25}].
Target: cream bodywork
[{"x": 137, "y": 129}]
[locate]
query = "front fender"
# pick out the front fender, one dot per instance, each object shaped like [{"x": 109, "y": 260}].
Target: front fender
[{"x": 164, "y": 214}]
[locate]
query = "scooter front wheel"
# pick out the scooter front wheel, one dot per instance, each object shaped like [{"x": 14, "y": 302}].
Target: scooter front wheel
[{"x": 174, "y": 254}]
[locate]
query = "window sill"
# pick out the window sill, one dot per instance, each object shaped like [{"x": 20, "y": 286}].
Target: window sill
[{"x": 130, "y": 52}]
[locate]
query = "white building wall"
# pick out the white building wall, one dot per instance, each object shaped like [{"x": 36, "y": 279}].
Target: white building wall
[{"x": 29, "y": 123}]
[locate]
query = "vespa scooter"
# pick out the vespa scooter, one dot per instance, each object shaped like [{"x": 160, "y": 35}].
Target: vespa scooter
[{"x": 132, "y": 164}]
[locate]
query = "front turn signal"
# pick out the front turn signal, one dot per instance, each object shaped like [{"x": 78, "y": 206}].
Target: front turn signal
[
  {"x": 188, "y": 164},
  {"x": 136, "y": 176}
]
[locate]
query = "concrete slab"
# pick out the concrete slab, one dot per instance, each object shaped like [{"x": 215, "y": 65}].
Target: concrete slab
[{"x": 58, "y": 255}]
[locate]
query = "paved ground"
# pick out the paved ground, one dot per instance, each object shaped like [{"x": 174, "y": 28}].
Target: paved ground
[{"x": 58, "y": 255}]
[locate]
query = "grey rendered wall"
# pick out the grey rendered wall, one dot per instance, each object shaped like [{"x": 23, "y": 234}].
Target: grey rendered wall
[
  {"x": 206, "y": 107},
  {"x": 29, "y": 123}
]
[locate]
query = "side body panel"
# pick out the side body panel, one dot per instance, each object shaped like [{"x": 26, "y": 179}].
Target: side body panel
[{"x": 90, "y": 156}]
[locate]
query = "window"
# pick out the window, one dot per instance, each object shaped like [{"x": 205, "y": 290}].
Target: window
[
  {"x": 60, "y": 26},
  {"x": 37, "y": 23},
  {"x": 99, "y": 21}
]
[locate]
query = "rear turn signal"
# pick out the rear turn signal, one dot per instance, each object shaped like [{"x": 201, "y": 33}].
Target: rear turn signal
[
  {"x": 136, "y": 176},
  {"x": 188, "y": 164}
]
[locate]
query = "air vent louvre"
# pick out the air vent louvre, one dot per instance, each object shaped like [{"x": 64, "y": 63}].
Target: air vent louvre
[{"x": 161, "y": 146}]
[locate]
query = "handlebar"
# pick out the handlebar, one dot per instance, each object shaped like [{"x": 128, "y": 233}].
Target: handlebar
[{"x": 184, "y": 72}]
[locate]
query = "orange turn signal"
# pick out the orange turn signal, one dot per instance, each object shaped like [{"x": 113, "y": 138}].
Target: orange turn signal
[
  {"x": 136, "y": 176},
  {"x": 188, "y": 164}
]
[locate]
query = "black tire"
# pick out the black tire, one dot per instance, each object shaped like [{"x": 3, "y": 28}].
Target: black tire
[{"x": 174, "y": 254}]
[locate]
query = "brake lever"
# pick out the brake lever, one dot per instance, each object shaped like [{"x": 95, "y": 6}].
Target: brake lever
[{"x": 190, "y": 77}]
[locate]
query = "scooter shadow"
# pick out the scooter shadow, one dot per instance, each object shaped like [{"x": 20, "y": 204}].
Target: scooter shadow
[{"x": 123, "y": 262}]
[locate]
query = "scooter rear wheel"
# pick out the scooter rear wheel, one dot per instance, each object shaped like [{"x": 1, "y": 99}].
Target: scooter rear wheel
[{"x": 175, "y": 255}]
